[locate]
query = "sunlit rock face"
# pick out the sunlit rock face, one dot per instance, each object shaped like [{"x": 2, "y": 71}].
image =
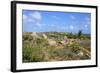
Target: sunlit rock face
[
  {"x": 35, "y": 35},
  {"x": 80, "y": 53},
  {"x": 52, "y": 42},
  {"x": 44, "y": 36}
]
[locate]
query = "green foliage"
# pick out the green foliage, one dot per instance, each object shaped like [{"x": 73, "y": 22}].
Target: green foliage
[
  {"x": 79, "y": 33},
  {"x": 32, "y": 54}
]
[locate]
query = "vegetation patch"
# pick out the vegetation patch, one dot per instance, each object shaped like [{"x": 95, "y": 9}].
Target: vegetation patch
[{"x": 55, "y": 46}]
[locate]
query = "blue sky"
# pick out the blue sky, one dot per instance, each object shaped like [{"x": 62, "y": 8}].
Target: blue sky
[{"x": 50, "y": 21}]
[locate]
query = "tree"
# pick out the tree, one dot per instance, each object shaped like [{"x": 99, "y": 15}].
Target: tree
[
  {"x": 70, "y": 35},
  {"x": 79, "y": 33}
]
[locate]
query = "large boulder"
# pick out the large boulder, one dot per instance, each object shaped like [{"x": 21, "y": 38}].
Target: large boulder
[
  {"x": 34, "y": 34},
  {"x": 52, "y": 42},
  {"x": 44, "y": 36}
]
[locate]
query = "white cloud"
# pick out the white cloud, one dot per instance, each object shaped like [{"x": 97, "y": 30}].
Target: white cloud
[
  {"x": 33, "y": 18},
  {"x": 72, "y": 17},
  {"x": 88, "y": 20},
  {"x": 30, "y": 20},
  {"x": 52, "y": 25},
  {"x": 38, "y": 24},
  {"x": 71, "y": 27},
  {"x": 24, "y": 16},
  {"x": 55, "y": 17},
  {"x": 36, "y": 15},
  {"x": 85, "y": 26},
  {"x": 63, "y": 27}
]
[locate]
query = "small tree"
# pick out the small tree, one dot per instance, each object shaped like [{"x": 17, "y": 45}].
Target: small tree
[
  {"x": 79, "y": 33},
  {"x": 70, "y": 35}
]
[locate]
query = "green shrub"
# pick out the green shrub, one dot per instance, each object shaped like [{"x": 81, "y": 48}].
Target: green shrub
[{"x": 27, "y": 53}]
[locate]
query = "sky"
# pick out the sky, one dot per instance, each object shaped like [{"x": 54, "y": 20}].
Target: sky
[{"x": 55, "y": 21}]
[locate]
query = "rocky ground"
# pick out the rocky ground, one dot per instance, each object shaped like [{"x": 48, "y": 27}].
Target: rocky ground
[{"x": 40, "y": 47}]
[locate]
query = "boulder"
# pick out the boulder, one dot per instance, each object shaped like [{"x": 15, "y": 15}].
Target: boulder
[{"x": 52, "y": 42}]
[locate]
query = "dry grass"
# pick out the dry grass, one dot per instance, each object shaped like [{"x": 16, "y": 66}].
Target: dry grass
[{"x": 39, "y": 49}]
